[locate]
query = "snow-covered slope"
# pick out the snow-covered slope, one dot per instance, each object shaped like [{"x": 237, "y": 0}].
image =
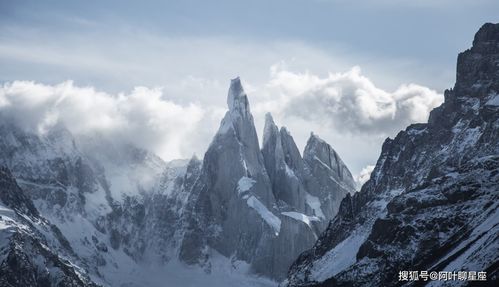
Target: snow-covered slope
[
  {"x": 431, "y": 202},
  {"x": 118, "y": 206}
]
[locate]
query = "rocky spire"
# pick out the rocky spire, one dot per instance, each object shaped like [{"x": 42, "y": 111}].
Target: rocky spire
[
  {"x": 238, "y": 120},
  {"x": 292, "y": 155},
  {"x": 319, "y": 150},
  {"x": 270, "y": 130},
  {"x": 272, "y": 148},
  {"x": 237, "y": 100}
]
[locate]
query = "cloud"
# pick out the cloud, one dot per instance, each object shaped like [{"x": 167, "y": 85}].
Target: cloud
[
  {"x": 350, "y": 102},
  {"x": 364, "y": 174},
  {"x": 142, "y": 117}
]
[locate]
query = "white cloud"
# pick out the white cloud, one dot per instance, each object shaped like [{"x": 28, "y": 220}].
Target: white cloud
[
  {"x": 364, "y": 174},
  {"x": 142, "y": 117},
  {"x": 349, "y": 102}
]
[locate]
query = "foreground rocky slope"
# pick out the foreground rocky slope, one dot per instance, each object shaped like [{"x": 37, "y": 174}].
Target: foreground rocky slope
[
  {"x": 431, "y": 203},
  {"x": 33, "y": 252}
]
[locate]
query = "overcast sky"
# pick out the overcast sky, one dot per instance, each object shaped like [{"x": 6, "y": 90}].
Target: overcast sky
[{"x": 354, "y": 72}]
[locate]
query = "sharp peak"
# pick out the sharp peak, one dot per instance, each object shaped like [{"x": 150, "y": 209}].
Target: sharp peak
[
  {"x": 269, "y": 128},
  {"x": 236, "y": 88},
  {"x": 268, "y": 117},
  {"x": 314, "y": 136},
  {"x": 237, "y": 98},
  {"x": 269, "y": 120},
  {"x": 236, "y": 82},
  {"x": 314, "y": 139},
  {"x": 476, "y": 65},
  {"x": 194, "y": 157},
  {"x": 489, "y": 32},
  {"x": 285, "y": 130}
]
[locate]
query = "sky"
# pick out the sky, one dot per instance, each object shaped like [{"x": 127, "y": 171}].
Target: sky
[{"x": 156, "y": 73}]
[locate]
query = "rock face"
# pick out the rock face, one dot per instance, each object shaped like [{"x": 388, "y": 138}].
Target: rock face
[
  {"x": 326, "y": 171},
  {"x": 432, "y": 200},
  {"x": 305, "y": 184},
  {"x": 33, "y": 252},
  {"x": 256, "y": 206}
]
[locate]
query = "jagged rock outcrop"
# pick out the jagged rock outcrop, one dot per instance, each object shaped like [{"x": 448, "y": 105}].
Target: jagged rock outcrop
[
  {"x": 431, "y": 202},
  {"x": 314, "y": 184},
  {"x": 284, "y": 166},
  {"x": 33, "y": 252}
]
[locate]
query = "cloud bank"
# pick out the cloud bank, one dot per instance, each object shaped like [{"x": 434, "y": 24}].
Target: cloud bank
[
  {"x": 350, "y": 102},
  {"x": 347, "y": 109},
  {"x": 142, "y": 117}
]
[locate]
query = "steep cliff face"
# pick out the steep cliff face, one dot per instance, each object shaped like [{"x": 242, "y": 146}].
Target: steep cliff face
[
  {"x": 326, "y": 172},
  {"x": 432, "y": 200},
  {"x": 284, "y": 166}
]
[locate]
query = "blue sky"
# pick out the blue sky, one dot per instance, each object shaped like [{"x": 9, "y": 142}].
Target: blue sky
[{"x": 192, "y": 48}]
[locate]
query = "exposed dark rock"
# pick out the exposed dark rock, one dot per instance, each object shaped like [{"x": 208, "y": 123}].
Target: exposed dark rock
[{"x": 432, "y": 200}]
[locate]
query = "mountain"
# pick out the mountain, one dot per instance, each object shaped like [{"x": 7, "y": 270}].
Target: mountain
[
  {"x": 124, "y": 217},
  {"x": 117, "y": 206},
  {"x": 431, "y": 203},
  {"x": 255, "y": 205}
]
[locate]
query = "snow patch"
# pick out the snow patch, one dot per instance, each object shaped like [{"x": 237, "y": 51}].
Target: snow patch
[
  {"x": 493, "y": 101},
  {"x": 272, "y": 220},
  {"x": 289, "y": 172},
  {"x": 244, "y": 184},
  {"x": 301, "y": 217},
  {"x": 321, "y": 162},
  {"x": 315, "y": 204}
]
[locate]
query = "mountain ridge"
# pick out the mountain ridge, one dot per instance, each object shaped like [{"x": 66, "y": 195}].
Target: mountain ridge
[{"x": 425, "y": 197}]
